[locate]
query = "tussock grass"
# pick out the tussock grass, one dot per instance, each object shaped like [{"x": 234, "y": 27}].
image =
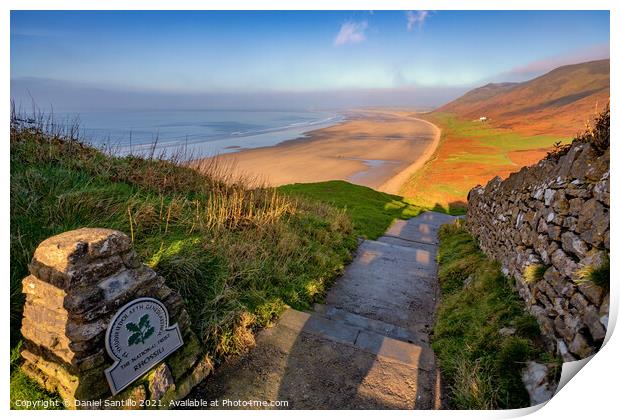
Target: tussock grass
[
  {"x": 481, "y": 367},
  {"x": 599, "y": 276},
  {"x": 534, "y": 273},
  {"x": 237, "y": 252}
]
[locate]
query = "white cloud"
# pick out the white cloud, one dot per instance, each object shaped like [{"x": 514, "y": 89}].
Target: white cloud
[
  {"x": 416, "y": 18},
  {"x": 351, "y": 33}
]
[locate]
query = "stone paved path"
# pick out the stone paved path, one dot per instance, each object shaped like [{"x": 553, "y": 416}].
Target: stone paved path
[{"x": 367, "y": 347}]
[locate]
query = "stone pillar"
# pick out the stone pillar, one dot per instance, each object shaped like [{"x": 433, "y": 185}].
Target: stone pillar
[{"x": 78, "y": 280}]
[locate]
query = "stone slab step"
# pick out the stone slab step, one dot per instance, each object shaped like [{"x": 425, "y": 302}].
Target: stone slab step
[
  {"x": 389, "y": 283},
  {"x": 409, "y": 354},
  {"x": 399, "y": 293},
  {"x": 373, "y": 325},
  {"x": 414, "y": 317},
  {"x": 394, "y": 240},
  {"x": 391, "y": 262},
  {"x": 317, "y": 325},
  {"x": 418, "y": 356},
  {"x": 422, "y": 228},
  {"x": 313, "y": 372}
]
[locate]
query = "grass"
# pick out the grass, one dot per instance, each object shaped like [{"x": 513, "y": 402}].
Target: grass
[
  {"x": 465, "y": 157},
  {"x": 237, "y": 253},
  {"x": 481, "y": 367},
  {"x": 599, "y": 276},
  {"x": 371, "y": 211},
  {"x": 23, "y": 389},
  {"x": 470, "y": 153},
  {"x": 534, "y": 273}
]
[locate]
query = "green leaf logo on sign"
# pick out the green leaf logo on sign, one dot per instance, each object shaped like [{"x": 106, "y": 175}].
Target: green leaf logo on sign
[{"x": 141, "y": 332}]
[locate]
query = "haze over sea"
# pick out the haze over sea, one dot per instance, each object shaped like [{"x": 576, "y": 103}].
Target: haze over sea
[{"x": 204, "y": 132}]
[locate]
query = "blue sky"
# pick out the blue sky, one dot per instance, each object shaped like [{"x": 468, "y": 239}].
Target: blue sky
[{"x": 209, "y": 52}]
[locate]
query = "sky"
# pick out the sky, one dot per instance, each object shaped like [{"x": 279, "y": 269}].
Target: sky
[{"x": 288, "y": 59}]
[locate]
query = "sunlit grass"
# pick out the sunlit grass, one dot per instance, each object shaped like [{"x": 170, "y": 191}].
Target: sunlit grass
[
  {"x": 534, "y": 273},
  {"x": 371, "y": 211},
  {"x": 598, "y": 275}
]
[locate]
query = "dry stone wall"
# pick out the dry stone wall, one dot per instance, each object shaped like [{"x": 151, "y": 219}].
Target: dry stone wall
[
  {"x": 553, "y": 218},
  {"x": 77, "y": 282}
]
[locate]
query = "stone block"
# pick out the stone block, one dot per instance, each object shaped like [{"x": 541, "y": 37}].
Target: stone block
[
  {"x": 563, "y": 351},
  {"x": 593, "y": 322},
  {"x": 561, "y": 206},
  {"x": 181, "y": 361},
  {"x": 554, "y": 232},
  {"x": 563, "y": 263},
  {"x": 593, "y": 221},
  {"x": 160, "y": 381},
  {"x": 537, "y": 383},
  {"x": 549, "y": 196},
  {"x": 579, "y": 302},
  {"x": 570, "y": 223},
  {"x": 573, "y": 244},
  {"x": 580, "y": 347},
  {"x": 591, "y": 291},
  {"x": 197, "y": 374},
  {"x": 575, "y": 206},
  {"x": 78, "y": 281}
]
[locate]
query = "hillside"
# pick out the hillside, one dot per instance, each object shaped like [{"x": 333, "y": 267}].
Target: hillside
[
  {"x": 525, "y": 121},
  {"x": 556, "y": 103}
]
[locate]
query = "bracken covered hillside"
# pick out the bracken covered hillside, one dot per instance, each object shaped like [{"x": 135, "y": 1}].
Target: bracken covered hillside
[{"x": 556, "y": 103}]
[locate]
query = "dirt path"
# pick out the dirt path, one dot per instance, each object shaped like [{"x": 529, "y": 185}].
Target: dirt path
[
  {"x": 394, "y": 184},
  {"x": 366, "y": 348}
]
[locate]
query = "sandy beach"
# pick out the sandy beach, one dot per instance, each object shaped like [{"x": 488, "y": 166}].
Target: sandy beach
[{"x": 376, "y": 148}]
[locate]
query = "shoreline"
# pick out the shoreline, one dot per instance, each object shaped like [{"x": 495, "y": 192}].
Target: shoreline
[
  {"x": 394, "y": 184},
  {"x": 376, "y": 148}
]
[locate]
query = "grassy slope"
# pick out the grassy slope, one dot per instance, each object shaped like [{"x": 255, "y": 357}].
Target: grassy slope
[
  {"x": 370, "y": 211},
  {"x": 481, "y": 367},
  {"x": 237, "y": 256},
  {"x": 470, "y": 153}
]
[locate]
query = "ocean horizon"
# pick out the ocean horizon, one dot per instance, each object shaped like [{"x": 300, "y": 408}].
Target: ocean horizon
[{"x": 199, "y": 133}]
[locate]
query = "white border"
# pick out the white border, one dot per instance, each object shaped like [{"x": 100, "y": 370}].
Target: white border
[
  {"x": 311, "y": 5},
  {"x": 591, "y": 394}
]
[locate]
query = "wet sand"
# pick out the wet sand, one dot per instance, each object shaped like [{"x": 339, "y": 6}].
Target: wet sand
[{"x": 376, "y": 148}]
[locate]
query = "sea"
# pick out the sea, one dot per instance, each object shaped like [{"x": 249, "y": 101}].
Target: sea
[{"x": 196, "y": 133}]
